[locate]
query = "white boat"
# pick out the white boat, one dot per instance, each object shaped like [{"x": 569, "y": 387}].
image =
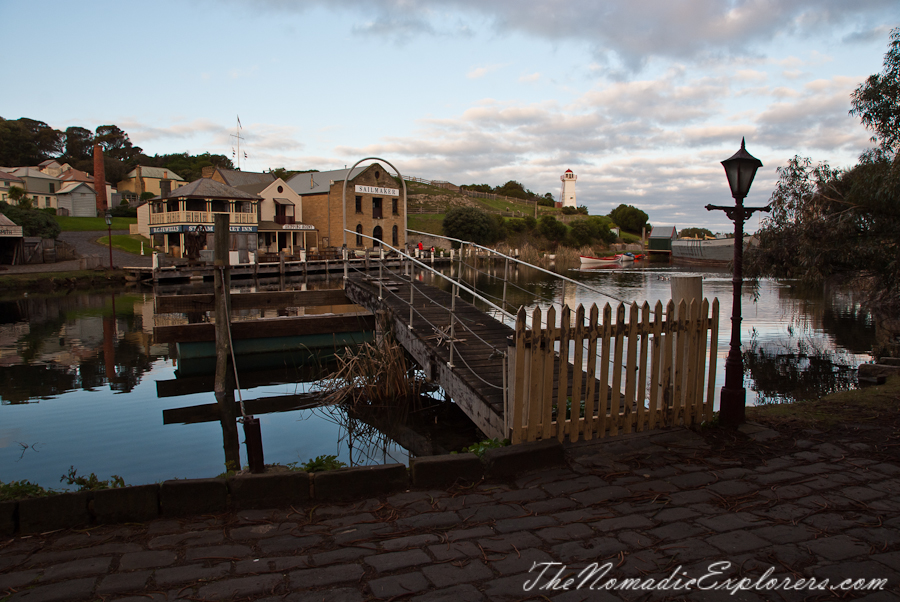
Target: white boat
[
  {"x": 588, "y": 262},
  {"x": 713, "y": 251}
]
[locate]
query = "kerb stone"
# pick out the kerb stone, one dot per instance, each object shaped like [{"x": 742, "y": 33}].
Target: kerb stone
[
  {"x": 511, "y": 461},
  {"x": 193, "y": 496},
  {"x": 127, "y": 504},
  {"x": 269, "y": 490},
  {"x": 362, "y": 481},
  {"x": 445, "y": 470},
  {"x": 40, "y": 514}
]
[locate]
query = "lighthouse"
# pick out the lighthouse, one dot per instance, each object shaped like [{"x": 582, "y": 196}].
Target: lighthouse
[{"x": 567, "y": 196}]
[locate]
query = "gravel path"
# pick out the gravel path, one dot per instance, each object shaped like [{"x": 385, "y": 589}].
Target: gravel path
[{"x": 85, "y": 244}]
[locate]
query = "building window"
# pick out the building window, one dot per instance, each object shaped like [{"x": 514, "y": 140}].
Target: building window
[
  {"x": 395, "y": 206},
  {"x": 359, "y": 204},
  {"x": 358, "y": 234},
  {"x": 52, "y": 187},
  {"x": 376, "y": 234},
  {"x": 395, "y": 241},
  {"x": 46, "y": 201},
  {"x": 376, "y": 208}
]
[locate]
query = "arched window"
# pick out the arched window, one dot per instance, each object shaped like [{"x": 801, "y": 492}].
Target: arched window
[
  {"x": 376, "y": 234},
  {"x": 358, "y": 237},
  {"x": 394, "y": 239}
]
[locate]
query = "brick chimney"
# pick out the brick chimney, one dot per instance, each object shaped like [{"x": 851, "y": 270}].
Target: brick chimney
[
  {"x": 208, "y": 171},
  {"x": 100, "y": 179}
]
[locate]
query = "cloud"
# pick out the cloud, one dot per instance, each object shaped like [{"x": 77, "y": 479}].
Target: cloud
[
  {"x": 480, "y": 72},
  {"x": 532, "y": 77}
]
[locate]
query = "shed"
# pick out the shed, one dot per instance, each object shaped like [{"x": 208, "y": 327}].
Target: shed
[
  {"x": 10, "y": 241},
  {"x": 660, "y": 240},
  {"x": 77, "y": 199}
]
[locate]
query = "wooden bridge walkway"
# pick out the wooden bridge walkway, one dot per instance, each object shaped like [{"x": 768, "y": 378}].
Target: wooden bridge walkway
[{"x": 476, "y": 380}]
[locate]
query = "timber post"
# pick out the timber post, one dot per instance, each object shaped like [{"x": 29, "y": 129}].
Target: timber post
[{"x": 224, "y": 387}]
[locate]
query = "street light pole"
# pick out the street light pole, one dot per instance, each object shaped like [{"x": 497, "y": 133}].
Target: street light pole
[
  {"x": 740, "y": 170},
  {"x": 109, "y": 236}
]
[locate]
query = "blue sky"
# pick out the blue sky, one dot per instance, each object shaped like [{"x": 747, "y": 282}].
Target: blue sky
[{"x": 641, "y": 99}]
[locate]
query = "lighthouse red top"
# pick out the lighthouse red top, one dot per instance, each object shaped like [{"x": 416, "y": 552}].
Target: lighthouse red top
[{"x": 569, "y": 171}]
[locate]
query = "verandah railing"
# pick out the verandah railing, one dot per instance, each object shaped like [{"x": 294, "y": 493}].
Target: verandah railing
[{"x": 566, "y": 379}]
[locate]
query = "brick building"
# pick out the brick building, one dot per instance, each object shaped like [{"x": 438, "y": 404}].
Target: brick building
[{"x": 376, "y": 206}]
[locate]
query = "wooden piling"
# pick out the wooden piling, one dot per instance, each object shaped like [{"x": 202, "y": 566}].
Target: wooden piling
[{"x": 224, "y": 389}]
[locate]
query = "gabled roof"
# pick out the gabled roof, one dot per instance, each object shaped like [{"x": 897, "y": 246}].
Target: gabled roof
[
  {"x": 71, "y": 186},
  {"x": 255, "y": 188},
  {"x": 5, "y": 221},
  {"x": 664, "y": 232},
  {"x": 9, "y": 177},
  {"x": 159, "y": 173},
  {"x": 318, "y": 182},
  {"x": 206, "y": 188},
  {"x": 31, "y": 172},
  {"x": 244, "y": 178},
  {"x": 76, "y": 175},
  {"x": 49, "y": 162}
]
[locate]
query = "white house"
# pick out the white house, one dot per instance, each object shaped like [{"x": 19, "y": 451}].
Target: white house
[{"x": 76, "y": 199}]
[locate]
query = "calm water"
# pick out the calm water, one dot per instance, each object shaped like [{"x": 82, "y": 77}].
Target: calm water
[{"x": 83, "y": 386}]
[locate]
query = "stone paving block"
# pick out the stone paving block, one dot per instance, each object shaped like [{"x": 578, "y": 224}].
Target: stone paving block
[
  {"x": 18, "y": 579},
  {"x": 445, "y": 470},
  {"x": 490, "y": 512},
  {"x": 519, "y": 562},
  {"x": 550, "y": 506},
  {"x": 891, "y": 559},
  {"x": 457, "y": 593},
  {"x": 192, "y": 572},
  {"x": 689, "y": 498},
  {"x": 600, "y": 495},
  {"x": 269, "y": 490},
  {"x": 865, "y": 569},
  {"x": 600, "y": 547},
  {"x": 459, "y": 534},
  {"x": 77, "y": 568},
  {"x": 510, "y": 525},
  {"x": 732, "y": 488},
  {"x": 75, "y": 589},
  {"x": 652, "y": 487},
  {"x": 275, "y": 564},
  {"x": 341, "y": 594},
  {"x": 688, "y": 550},
  {"x": 319, "y": 577},
  {"x": 126, "y": 504},
  {"x": 572, "y": 485},
  {"x": 569, "y": 532},
  {"x": 287, "y": 543},
  {"x": 361, "y": 481},
  {"x": 520, "y": 495},
  {"x": 636, "y": 540},
  {"x": 358, "y": 533},
  {"x": 190, "y": 497},
  {"x": 240, "y": 587},
  {"x": 880, "y": 536},
  {"x": 830, "y": 450},
  {"x": 829, "y": 521},
  {"x": 120, "y": 583},
  {"x": 454, "y": 551},
  {"x": 89, "y": 551},
  {"x": 257, "y": 532},
  {"x": 342, "y": 555},
  {"x": 230, "y": 551},
  {"x": 350, "y": 519},
  {"x": 398, "y": 585},
  {"x": 690, "y": 480},
  {"x": 677, "y": 530},
  {"x": 513, "y": 460},
  {"x": 669, "y": 515},
  {"x": 730, "y": 521},
  {"x": 839, "y": 547},
  {"x": 736, "y": 542},
  {"x": 413, "y": 541},
  {"x": 42, "y": 514},
  {"x": 146, "y": 560},
  {"x": 446, "y": 574},
  {"x": 430, "y": 520},
  {"x": 784, "y": 534},
  {"x": 582, "y": 515},
  {"x": 394, "y": 561},
  {"x": 861, "y": 494},
  {"x": 625, "y": 522},
  {"x": 509, "y": 541},
  {"x": 511, "y": 588}
]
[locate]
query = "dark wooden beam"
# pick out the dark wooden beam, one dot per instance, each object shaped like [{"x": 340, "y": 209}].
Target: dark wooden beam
[
  {"x": 267, "y": 328},
  {"x": 171, "y": 304}
]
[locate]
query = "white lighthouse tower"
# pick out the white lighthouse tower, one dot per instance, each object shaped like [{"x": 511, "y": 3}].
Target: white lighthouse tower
[{"x": 567, "y": 196}]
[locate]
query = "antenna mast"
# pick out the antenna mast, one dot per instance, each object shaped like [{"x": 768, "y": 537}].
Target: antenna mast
[{"x": 237, "y": 135}]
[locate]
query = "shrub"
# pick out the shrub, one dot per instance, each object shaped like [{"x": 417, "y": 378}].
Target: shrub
[{"x": 33, "y": 221}]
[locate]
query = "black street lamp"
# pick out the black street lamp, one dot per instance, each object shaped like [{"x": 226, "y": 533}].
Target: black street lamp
[
  {"x": 109, "y": 235},
  {"x": 740, "y": 169}
]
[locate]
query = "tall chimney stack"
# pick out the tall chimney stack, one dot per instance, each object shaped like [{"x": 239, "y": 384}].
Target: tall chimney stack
[{"x": 100, "y": 180}]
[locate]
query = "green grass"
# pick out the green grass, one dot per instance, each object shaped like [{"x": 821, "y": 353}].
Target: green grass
[
  {"x": 426, "y": 222},
  {"x": 130, "y": 243},
  {"x": 92, "y": 224}
]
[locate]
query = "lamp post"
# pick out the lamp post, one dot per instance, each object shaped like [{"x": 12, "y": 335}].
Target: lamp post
[
  {"x": 109, "y": 235},
  {"x": 740, "y": 169}
]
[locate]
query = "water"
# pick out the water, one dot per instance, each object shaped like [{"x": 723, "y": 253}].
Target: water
[{"x": 78, "y": 387}]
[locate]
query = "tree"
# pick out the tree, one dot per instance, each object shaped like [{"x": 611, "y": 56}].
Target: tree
[
  {"x": 696, "y": 233},
  {"x": 877, "y": 100},
  {"x": 18, "y": 196},
  {"x": 552, "y": 229},
  {"x": 471, "y": 224},
  {"x": 116, "y": 144},
  {"x": 629, "y": 218},
  {"x": 34, "y": 222},
  {"x": 79, "y": 144}
]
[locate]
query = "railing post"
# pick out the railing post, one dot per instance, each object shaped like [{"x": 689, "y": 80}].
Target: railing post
[
  {"x": 345, "y": 254},
  {"x": 412, "y": 289},
  {"x": 505, "y": 278},
  {"x": 452, "y": 324}
]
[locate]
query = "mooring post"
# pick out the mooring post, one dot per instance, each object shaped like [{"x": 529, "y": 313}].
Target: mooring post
[
  {"x": 345, "y": 255},
  {"x": 224, "y": 390}
]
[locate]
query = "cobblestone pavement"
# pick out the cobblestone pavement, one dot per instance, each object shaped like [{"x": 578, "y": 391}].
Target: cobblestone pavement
[{"x": 646, "y": 505}]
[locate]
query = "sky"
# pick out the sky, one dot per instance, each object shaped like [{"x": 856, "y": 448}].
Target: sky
[{"x": 642, "y": 99}]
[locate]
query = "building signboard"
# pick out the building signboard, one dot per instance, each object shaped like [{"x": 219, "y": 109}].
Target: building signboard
[
  {"x": 11, "y": 231},
  {"x": 203, "y": 229},
  {"x": 165, "y": 229},
  {"x": 377, "y": 190},
  {"x": 298, "y": 227}
]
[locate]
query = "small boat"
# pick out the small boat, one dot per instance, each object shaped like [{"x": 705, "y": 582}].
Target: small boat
[{"x": 588, "y": 261}]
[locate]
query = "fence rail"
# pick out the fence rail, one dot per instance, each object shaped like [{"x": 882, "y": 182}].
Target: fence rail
[{"x": 660, "y": 358}]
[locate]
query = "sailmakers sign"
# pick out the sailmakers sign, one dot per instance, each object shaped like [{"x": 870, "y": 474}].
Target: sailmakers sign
[{"x": 377, "y": 190}]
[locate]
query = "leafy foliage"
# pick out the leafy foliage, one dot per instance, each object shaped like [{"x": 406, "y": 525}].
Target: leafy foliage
[
  {"x": 18, "y": 490},
  {"x": 695, "y": 233},
  {"x": 33, "y": 221},
  {"x": 877, "y": 100},
  {"x": 551, "y": 228},
  {"x": 469, "y": 223},
  {"x": 91, "y": 482},
  {"x": 318, "y": 464},
  {"x": 629, "y": 218},
  {"x": 482, "y": 446},
  {"x": 586, "y": 231}
]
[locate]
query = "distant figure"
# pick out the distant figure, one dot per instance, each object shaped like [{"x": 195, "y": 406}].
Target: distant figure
[
  {"x": 432, "y": 250},
  {"x": 421, "y": 246}
]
